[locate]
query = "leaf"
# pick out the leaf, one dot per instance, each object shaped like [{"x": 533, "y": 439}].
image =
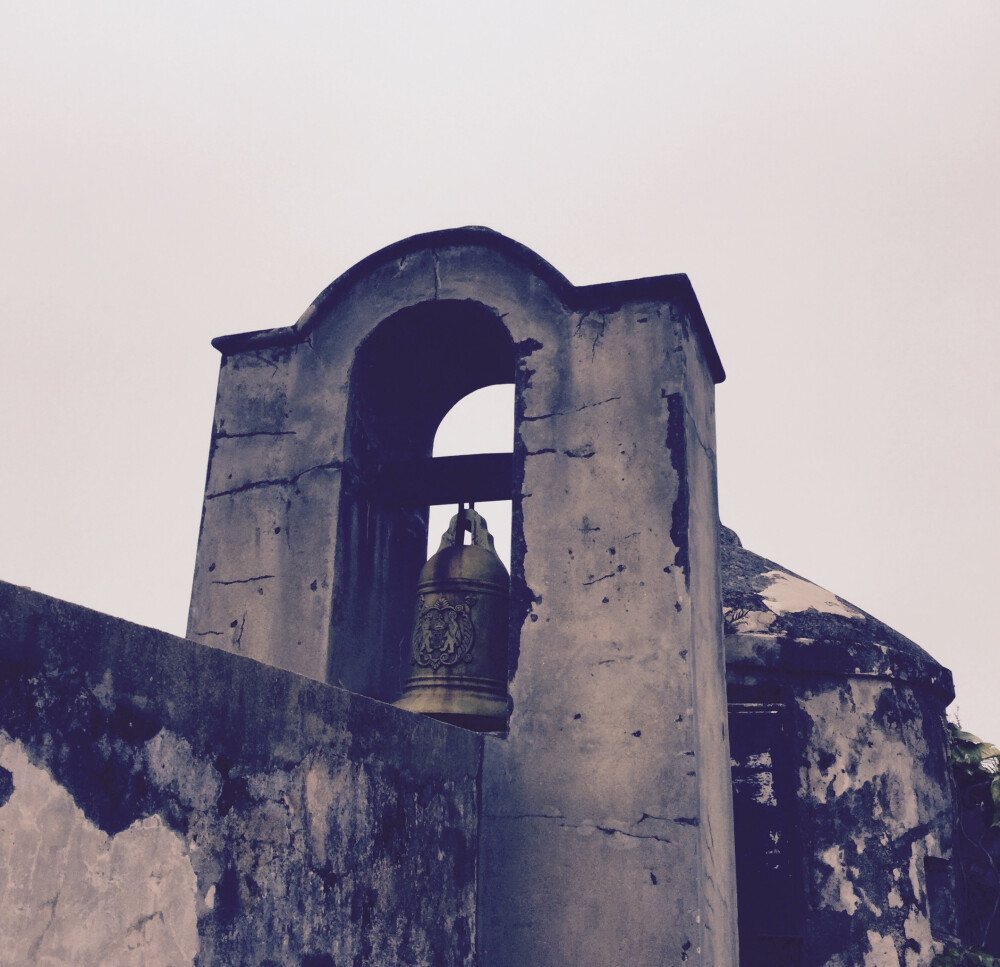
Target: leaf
[
  {"x": 978, "y": 754},
  {"x": 966, "y": 757},
  {"x": 987, "y": 750},
  {"x": 966, "y": 737},
  {"x": 964, "y": 957},
  {"x": 949, "y": 957}
]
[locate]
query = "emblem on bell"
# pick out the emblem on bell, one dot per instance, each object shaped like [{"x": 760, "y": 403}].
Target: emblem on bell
[{"x": 458, "y": 651}]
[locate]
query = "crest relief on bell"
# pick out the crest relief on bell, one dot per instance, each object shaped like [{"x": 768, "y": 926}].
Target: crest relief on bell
[
  {"x": 458, "y": 649},
  {"x": 443, "y": 632}
]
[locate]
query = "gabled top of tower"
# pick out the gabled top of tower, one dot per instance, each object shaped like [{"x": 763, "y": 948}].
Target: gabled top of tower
[{"x": 389, "y": 265}]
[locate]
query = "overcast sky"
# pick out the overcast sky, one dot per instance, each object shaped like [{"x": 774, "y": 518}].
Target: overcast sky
[{"x": 826, "y": 174}]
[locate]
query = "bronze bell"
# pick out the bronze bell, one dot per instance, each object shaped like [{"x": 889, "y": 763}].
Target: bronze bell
[{"x": 458, "y": 654}]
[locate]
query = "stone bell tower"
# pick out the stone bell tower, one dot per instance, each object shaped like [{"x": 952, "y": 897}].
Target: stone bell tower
[{"x": 605, "y": 831}]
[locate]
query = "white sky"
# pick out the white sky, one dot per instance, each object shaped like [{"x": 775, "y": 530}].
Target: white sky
[{"x": 827, "y": 174}]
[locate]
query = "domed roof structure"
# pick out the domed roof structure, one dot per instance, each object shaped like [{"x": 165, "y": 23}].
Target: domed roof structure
[
  {"x": 843, "y": 818},
  {"x": 775, "y": 619}
]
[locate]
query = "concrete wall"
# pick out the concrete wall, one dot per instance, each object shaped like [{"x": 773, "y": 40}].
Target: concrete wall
[
  {"x": 607, "y": 818},
  {"x": 166, "y": 803}
]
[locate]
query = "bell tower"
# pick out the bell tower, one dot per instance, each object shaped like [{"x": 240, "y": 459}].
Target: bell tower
[{"x": 605, "y": 833}]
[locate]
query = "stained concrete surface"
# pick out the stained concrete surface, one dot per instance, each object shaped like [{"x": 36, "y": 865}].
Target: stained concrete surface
[{"x": 167, "y": 803}]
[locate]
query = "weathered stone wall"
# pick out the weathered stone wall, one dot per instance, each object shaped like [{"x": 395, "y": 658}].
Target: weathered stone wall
[
  {"x": 166, "y": 803},
  {"x": 845, "y": 816},
  {"x": 875, "y": 817}
]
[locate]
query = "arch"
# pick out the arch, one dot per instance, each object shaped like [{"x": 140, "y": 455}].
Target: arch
[
  {"x": 385, "y": 269},
  {"x": 407, "y": 374}
]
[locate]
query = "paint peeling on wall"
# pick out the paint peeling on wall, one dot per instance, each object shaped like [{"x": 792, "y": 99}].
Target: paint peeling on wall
[
  {"x": 166, "y": 803},
  {"x": 866, "y": 770},
  {"x": 844, "y": 757},
  {"x": 72, "y": 894},
  {"x": 784, "y": 592}
]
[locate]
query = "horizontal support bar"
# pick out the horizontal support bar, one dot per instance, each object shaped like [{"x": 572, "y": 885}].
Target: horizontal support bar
[{"x": 445, "y": 480}]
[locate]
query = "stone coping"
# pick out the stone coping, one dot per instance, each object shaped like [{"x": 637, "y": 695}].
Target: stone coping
[{"x": 222, "y": 703}]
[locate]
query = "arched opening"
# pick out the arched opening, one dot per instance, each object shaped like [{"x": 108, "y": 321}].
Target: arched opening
[
  {"x": 482, "y": 422},
  {"x": 407, "y": 375}
]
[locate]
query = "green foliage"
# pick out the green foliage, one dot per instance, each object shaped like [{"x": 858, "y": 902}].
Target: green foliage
[
  {"x": 964, "y": 957},
  {"x": 978, "y": 761}
]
